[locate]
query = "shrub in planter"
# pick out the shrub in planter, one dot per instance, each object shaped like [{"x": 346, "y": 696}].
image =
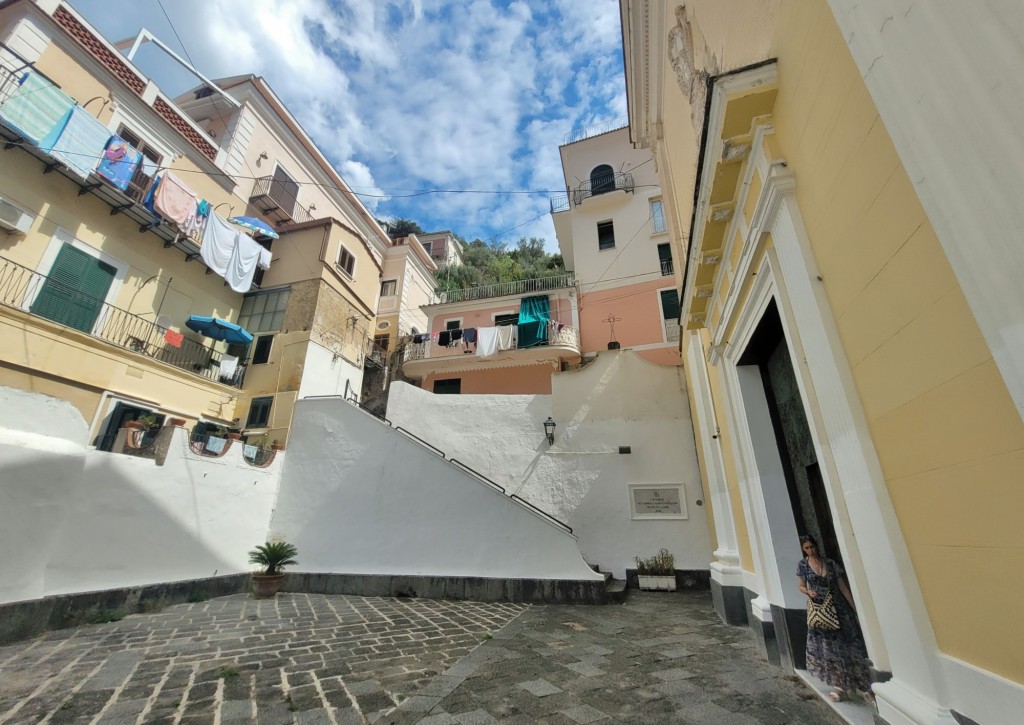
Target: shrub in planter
[
  {"x": 657, "y": 573},
  {"x": 273, "y": 557}
]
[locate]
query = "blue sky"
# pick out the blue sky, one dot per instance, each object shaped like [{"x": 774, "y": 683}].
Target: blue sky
[{"x": 412, "y": 96}]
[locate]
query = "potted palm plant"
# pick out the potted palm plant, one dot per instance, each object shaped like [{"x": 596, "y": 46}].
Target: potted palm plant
[
  {"x": 657, "y": 573},
  {"x": 273, "y": 557}
]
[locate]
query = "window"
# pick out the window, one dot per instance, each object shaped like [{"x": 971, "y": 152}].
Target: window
[
  {"x": 510, "y": 319},
  {"x": 605, "y": 235},
  {"x": 451, "y": 386},
  {"x": 669, "y": 304},
  {"x": 151, "y": 160},
  {"x": 388, "y": 288},
  {"x": 453, "y": 324},
  {"x": 602, "y": 179},
  {"x": 257, "y": 278},
  {"x": 382, "y": 341},
  {"x": 75, "y": 288},
  {"x": 347, "y": 262},
  {"x": 665, "y": 258},
  {"x": 259, "y": 412},
  {"x": 657, "y": 217},
  {"x": 264, "y": 311},
  {"x": 426, "y": 246},
  {"x": 261, "y": 353}
]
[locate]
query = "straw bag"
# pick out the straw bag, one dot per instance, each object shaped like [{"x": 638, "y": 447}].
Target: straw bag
[{"x": 823, "y": 614}]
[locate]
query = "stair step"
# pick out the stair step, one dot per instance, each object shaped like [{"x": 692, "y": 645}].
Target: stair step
[{"x": 615, "y": 589}]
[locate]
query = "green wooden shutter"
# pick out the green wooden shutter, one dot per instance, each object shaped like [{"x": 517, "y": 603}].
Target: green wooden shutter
[
  {"x": 74, "y": 290},
  {"x": 670, "y": 304}
]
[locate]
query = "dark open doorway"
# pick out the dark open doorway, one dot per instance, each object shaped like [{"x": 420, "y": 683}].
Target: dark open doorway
[{"x": 770, "y": 353}]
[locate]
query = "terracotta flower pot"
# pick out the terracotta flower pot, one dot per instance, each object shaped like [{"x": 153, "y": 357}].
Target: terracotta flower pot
[
  {"x": 176, "y": 421},
  {"x": 234, "y": 436},
  {"x": 265, "y": 586},
  {"x": 277, "y": 446}
]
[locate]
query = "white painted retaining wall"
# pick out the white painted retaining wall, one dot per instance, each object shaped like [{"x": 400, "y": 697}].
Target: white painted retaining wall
[
  {"x": 359, "y": 498},
  {"x": 619, "y": 400},
  {"x": 74, "y": 519}
]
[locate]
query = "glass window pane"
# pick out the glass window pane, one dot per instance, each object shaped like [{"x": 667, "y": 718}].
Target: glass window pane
[
  {"x": 277, "y": 321},
  {"x": 259, "y": 303}
]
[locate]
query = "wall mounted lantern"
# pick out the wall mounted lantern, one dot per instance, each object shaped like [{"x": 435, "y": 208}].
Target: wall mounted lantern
[{"x": 549, "y": 430}]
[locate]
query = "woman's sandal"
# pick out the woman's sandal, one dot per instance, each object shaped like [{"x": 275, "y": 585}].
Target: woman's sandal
[{"x": 836, "y": 695}]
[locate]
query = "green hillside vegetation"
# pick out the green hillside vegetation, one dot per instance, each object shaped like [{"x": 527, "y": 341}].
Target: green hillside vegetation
[{"x": 490, "y": 263}]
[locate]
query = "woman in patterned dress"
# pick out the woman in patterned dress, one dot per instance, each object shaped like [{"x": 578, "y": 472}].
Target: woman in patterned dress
[{"x": 837, "y": 657}]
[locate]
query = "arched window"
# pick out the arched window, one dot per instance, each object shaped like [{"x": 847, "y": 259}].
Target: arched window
[{"x": 602, "y": 179}]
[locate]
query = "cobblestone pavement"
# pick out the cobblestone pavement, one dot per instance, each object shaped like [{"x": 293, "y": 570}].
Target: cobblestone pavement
[
  {"x": 310, "y": 659},
  {"x": 297, "y": 658}
]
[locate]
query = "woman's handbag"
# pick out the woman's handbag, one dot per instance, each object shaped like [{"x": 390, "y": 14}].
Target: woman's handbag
[{"x": 823, "y": 614}]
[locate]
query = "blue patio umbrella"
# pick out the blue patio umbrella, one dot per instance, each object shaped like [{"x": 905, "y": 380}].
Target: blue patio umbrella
[
  {"x": 219, "y": 329},
  {"x": 256, "y": 225}
]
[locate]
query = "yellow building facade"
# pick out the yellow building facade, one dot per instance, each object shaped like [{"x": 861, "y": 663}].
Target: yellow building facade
[
  {"x": 844, "y": 378},
  {"x": 235, "y": 145}
]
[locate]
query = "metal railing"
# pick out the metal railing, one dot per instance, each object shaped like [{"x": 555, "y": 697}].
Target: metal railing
[
  {"x": 666, "y": 267},
  {"x": 559, "y": 335},
  {"x": 455, "y": 462},
  {"x": 602, "y": 184},
  {"x": 282, "y": 206},
  {"x": 559, "y": 203},
  {"x": 24, "y": 289},
  {"x": 613, "y": 124},
  {"x": 503, "y": 289}
]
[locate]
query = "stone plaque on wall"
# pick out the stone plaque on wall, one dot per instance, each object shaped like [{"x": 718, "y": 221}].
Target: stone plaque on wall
[{"x": 657, "y": 501}]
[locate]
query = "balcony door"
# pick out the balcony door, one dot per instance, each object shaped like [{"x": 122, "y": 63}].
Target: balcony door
[
  {"x": 284, "y": 191},
  {"x": 74, "y": 291}
]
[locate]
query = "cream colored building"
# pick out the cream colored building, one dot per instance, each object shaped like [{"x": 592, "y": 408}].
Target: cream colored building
[
  {"x": 852, "y": 312},
  {"x": 612, "y": 234},
  {"x": 94, "y": 293},
  {"x": 443, "y": 248}
]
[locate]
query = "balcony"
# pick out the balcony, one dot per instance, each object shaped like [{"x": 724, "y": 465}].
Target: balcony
[
  {"x": 596, "y": 129},
  {"x": 20, "y": 289},
  {"x": 504, "y": 289},
  {"x": 559, "y": 203},
  {"x": 426, "y": 358},
  {"x": 666, "y": 267},
  {"x": 275, "y": 199},
  {"x": 604, "y": 184}
]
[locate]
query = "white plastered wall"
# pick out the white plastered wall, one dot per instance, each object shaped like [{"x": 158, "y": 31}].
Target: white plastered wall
[
  {"x": 87, "y": 520},
  {"x": 359, "y": 498},
  {"x": 325, "y": 373},
  {"x": 582, "y": 479}
]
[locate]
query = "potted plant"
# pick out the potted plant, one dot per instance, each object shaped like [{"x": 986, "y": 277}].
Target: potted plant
[
  {"x": 657, "y": 573},
  {"x": 138, "y": 428},
  {"x": 273, "y": 557}
]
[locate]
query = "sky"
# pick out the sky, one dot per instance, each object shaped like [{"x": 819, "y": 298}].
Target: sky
[{"x": 408, "y": 96}]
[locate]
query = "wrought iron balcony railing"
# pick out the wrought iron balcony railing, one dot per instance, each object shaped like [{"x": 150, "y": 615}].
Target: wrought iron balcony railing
[
  {"x": 278, "y": 202},
  {"x": 559, "y": 203},
  {"x": 666, "y": 267},
  {"x": 503, "y": 289},
  {"x": 596, "y": 129},
  {"x": 559, "y": 335},
  {"x": 24, "y": 289},
  {"x": 602, "y": 185}
]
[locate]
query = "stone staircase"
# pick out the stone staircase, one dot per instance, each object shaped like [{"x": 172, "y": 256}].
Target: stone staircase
[{"x": 614, "y": 589}]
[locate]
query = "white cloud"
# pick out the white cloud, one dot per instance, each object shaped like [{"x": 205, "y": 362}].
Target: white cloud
[{"x": 417, "y": 94}]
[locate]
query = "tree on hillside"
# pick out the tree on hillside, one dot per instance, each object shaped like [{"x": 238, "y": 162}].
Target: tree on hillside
[
  {"x": 402, "y": 227},
  {"x": 485, "y": 264}
]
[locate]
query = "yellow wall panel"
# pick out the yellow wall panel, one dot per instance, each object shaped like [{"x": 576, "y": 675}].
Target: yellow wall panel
[
  {"x": 969, "y": 593},
  {"x": 910, "y": 282},
  {"x": 945, "y": 506},
  {"x": 933, "y": 348},
  {"x": 891, "y": 219},
  {"x": 968, "y": 418}
]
